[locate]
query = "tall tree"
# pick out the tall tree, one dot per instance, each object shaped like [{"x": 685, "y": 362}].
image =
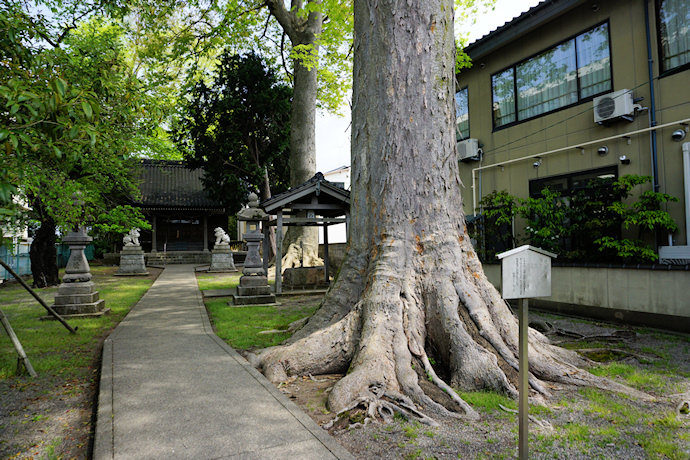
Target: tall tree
[
  {"x": 311, "y": 37},
  {"x": 412, "y": 291},
  {"x": 68, "y": 117},
  {"x": 238, "y": 128}
]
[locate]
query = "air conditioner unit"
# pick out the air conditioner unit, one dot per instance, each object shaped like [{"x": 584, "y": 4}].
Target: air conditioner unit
[
  {"x": 468, "y": 149},
  {"x": 618, "y": 104}
]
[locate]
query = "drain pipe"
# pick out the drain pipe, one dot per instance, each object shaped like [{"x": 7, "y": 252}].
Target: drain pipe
[
  {"x": 652, "y": 103},
  {"x": 686, "y": 176}
]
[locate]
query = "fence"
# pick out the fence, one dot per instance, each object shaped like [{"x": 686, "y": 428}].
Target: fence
[{"x": 20, "y": 263}]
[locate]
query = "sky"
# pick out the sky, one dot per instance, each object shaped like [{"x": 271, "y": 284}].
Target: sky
[{"x": 333, "y": 132}]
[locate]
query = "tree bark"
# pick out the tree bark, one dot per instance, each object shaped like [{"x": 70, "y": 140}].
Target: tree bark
[
  {"x": 412, "y": 291},
  {"x": 43, "y": 255}
]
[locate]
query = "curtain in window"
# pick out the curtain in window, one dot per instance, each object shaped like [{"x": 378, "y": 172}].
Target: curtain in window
[
  {"x": 594, "y": 61},
  {"x": 547, "y": 82},
  {"x": 503, "y": 89},
  {"x": 674, "y": 22},
  {"x": 462, "y": 115}
]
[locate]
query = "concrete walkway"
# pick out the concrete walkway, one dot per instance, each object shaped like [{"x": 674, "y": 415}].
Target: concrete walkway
[{"x": 170, "y": 388}]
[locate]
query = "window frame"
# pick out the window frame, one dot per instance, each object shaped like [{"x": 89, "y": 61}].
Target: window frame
[
  {"x": 580, "y": 100},
  {"x": 660, "y": 48},
  {"x": 464, "y": 88},
  {"x": 568, "y": 177}
]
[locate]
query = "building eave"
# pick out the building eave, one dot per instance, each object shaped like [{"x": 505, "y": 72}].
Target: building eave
[{"x": 521, "y": 25}]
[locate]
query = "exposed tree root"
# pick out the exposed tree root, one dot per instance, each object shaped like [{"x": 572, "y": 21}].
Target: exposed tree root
[{"x": 471, "y": 331}]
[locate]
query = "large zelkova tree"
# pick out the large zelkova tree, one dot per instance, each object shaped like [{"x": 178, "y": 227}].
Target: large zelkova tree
[
  {"x": 238, "y": 129},
  {"x": 411, "y": 302},
  {"x": 67, "y": 118}
]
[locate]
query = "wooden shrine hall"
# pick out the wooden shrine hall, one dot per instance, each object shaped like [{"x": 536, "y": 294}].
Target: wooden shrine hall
[{"x": 181, "y": 214}]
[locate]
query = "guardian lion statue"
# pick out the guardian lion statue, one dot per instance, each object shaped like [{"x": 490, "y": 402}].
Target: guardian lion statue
[
  {"x": 221, "y": 236},
  {"x": 132, "y": 238}
]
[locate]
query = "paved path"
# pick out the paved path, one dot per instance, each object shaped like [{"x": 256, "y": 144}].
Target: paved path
[{"x": 170, "y": 388}]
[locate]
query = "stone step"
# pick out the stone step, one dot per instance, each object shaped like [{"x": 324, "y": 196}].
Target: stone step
[
  {"x": 79, "y": 309},
  {"x": 254, "y": 299}
]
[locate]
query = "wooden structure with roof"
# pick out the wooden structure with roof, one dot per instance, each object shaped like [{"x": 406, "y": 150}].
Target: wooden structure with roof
[
  {"x": 181, "y": 214},
  {"x": 317, "y": 202}
]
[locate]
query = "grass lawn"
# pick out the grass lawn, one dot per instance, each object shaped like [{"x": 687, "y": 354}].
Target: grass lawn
[
  {"x": 241, "y": 327},
  {"x": 51, "y": 416}
]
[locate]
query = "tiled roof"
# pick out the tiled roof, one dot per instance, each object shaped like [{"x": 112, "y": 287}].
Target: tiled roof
[
  {"x": 170, "y": 184},
  {"x": 325, "y": 191}
]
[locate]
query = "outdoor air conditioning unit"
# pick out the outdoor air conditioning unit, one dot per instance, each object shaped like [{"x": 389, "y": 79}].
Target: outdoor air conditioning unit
[
  {"x": 618, "y": 104},
  {"x": 468, "y": 149}
]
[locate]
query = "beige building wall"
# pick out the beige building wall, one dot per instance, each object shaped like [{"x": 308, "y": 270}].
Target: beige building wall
[{"x": 575, "y": 125}]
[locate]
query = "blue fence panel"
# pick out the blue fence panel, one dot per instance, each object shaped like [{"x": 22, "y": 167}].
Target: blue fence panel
[{"x": 21, "y": 264}]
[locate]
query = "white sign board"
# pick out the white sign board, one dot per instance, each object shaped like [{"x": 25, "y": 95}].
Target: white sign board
[{"x": 526, "y": 273}]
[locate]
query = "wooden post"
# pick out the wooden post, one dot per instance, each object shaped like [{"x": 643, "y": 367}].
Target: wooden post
[
  {"x": 279, "y": 250},
  {"x": 325, "y": 254},
  {"x": 23, "y": 359},
  {"x": 266, "y": 243},
  {"x": 154, "y": 241},
  {"x": 523, "y": 409},
  {"x": 205, "y": 233},
  {"x": 31, "y": 291}
]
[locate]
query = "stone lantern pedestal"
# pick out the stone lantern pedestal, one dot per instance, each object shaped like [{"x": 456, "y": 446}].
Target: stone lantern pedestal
[
  {"x": 77, "y": 295},
  {"x": 253, "y": 288}
]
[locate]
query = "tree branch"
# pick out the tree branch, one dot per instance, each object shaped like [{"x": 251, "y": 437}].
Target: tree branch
[{"x": 286, "y": 19}]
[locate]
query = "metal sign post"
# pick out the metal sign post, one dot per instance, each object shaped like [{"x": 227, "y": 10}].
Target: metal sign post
[{"x": 525, "y": 273}]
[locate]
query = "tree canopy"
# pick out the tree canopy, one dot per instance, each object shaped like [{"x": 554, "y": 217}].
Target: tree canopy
[
  {"x": 237, "y": 128},
  {"x": 69, "y": 114}
]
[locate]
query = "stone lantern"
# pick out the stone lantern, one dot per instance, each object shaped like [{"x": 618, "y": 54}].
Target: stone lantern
[
  {"x": 253, "y": 288},
  {"x": 77, "y": 295}
]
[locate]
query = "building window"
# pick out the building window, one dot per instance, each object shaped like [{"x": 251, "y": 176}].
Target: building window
[
  {"x": 462, "y": 115},
  {"x": 569, "y": 184},
  {"x": 565, "y": 74},
  {"x": 674, "y": 33}
]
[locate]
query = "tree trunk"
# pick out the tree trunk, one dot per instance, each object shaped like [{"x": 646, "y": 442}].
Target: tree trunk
[
  {"x": 303, "y": 137},
  {"x": 43, "y": 256},
  {"x": 266, "y": 194},
  {"x": 412, "y": 291}
]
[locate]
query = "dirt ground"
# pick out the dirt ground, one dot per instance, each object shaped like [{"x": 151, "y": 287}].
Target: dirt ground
[
  {"x": 52, "y": 417},
  {"x": 574, "y": 423}
]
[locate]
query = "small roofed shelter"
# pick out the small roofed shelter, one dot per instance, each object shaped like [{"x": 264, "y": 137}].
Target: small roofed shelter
[
  {"x": 317, "y": 202},
  {"x": 181, "y": 214}
]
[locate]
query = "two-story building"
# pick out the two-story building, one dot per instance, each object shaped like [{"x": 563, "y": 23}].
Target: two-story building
[{"x": 578, "y": 89}]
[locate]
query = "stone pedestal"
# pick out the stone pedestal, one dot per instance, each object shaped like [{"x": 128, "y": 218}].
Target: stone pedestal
[
  {"x": 77, "y": 295},
  {"x": 132, "y": 262},
  {"x": 221, "y": 259},
  {"x": 304, "y": 278},
  {"x": 254, "y": 290}
]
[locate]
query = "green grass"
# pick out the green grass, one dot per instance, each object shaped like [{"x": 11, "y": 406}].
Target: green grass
[
  {"x": 51, "y": 348},
  {"x": 240, "y": 326},
  {"x": 632, "y": 376},
  {"x": 212, "y": 281},
  {"x": 487, "y": 400}
]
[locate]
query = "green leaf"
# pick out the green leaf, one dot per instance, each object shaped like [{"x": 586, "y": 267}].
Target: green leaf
[{"x": 88, "y": 111}]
